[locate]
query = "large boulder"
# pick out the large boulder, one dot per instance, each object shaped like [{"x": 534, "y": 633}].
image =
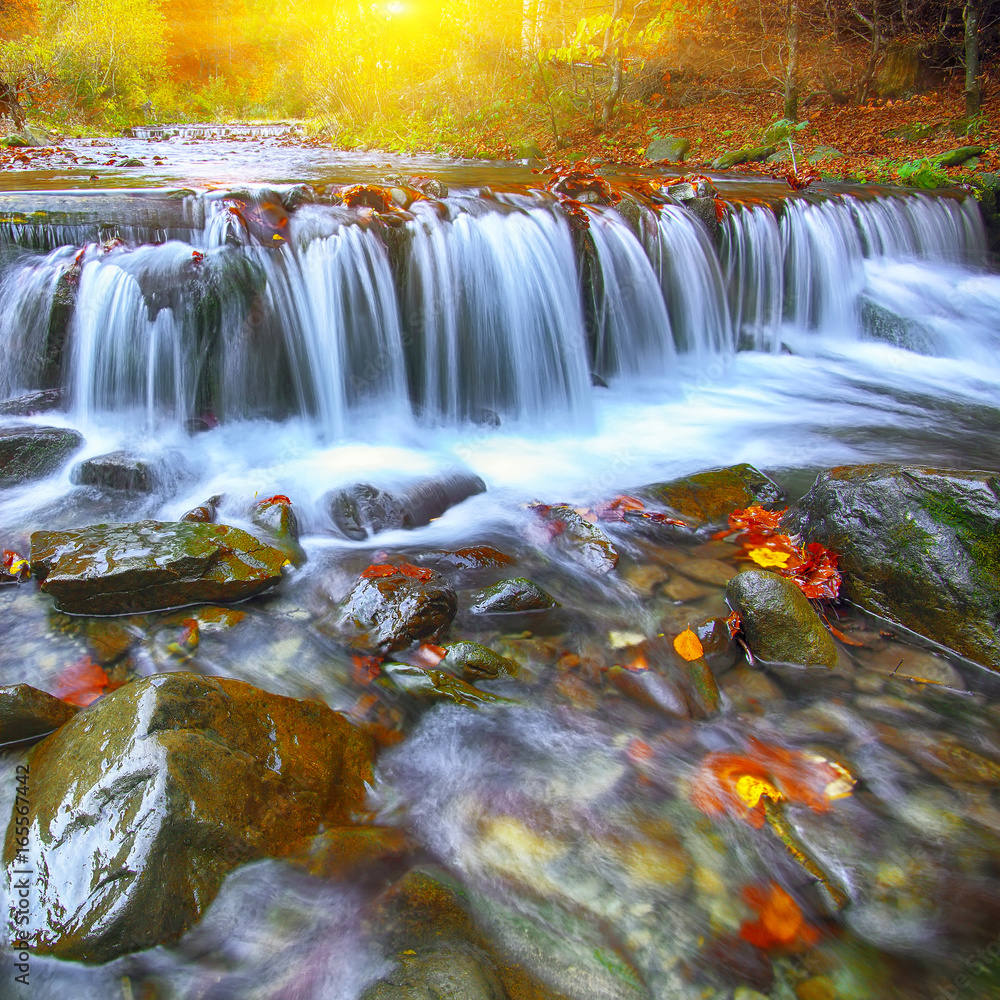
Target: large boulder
[
  {"x": 29, "y": 452},
  {"x": 142, "y": 804},
  {"x": 778, "y": 621},
  {"x": 114, "y": 569},
  {"x": 391, "y": 607},
  {"x": 919, "y": 547}
]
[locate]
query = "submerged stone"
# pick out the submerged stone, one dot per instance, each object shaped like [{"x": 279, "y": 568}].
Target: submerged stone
[
  {"x": 919, "y": 547},
  {"x": 778, "y": 621},
  {"x": 579, "y": 540},
  {"x": 476, "y": 662},
  {"x": 143, "y": 803},
  {"x": 113, "y": 569},
  {"x": 31, "y": 452},
  {"x": 508, "y": 596},
  {"x": 26, "y": 712},
  {"x": 436, "y": 685},
  {"x": 391, "y": 611}
]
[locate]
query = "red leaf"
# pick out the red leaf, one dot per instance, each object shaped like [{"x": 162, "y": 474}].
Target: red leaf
[
  {"x": 379, "y": 570},
  {"x": 82, "y": 682}
]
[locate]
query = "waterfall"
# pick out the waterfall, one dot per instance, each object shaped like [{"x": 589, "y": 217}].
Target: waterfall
[
  {"x": 28, "y": 289},
  {"x": 752, "y": 261},
  {"x": 691, "y": 281},
  {"x": 472, "y": 308},
  {"x": 494, "y": 315}
]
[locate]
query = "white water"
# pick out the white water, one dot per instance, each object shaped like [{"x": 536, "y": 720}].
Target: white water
[{"x": 339, "y": 355}]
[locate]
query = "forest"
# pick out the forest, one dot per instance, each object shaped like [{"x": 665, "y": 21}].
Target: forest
[{"x": 422, "y": 74}]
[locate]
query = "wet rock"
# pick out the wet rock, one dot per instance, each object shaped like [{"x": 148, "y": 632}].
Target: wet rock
[
  {"x": 779, "y": 623},
  {"x": 917, "y": 546},
  {"x": 647, "y": 687},
  {"x": 509, "y": 596},
  {"x": 436, "y": 685},
  {"x": 42, "y": 401},
  {"x": 579, "y": 540},
  {"x": 646, "y": 578},
  {"x": 393, "y": 610},
  {"x": 204, "y": 513},
  {"x": 473, "y": 557},
  {"x": 112, "y": 569},
  {"x": 31, "y": 452},
  {"x": 279, "y": 525},
  {"x": 597, "y": 381},
  {"x": 362, "y": 509},
  {"x": 171, "y": 782},
  {"x": 26, "y": 712},
  {"x": 682, "y": 590},
  {"x": 117, "y": 470},
  {"x": 721, "y": 649},
  {"x": 706, "y": 499},
  {"x": 475, "y": 662},
  {"x": 668, "y": 149},
  {"x": 348, "y": 850}
]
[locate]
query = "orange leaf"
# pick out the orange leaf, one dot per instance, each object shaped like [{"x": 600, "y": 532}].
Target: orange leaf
[
  {"x": 376, "y": 571},
  {"x": 779, "y": 924},
  {"x": 689, "y": 646},
  {"x": 82, "y": 682},
  {"x": 277, "y": 498},
  {"x": 415, "y": 572}
]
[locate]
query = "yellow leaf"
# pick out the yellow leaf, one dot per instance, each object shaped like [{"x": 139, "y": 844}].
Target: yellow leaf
[
  {"x": 689, "y": 645},
  {"x": 752, "y": 789},
  {"x": 768, "y": 557}
]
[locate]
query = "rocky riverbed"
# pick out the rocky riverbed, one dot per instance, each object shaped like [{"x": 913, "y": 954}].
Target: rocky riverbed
[{"x": 628, "y": 749}]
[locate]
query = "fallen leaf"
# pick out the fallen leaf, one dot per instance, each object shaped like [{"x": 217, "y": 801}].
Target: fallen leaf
[
  {"x": 779, "y": 924},
  {"x": 689, "y": 646},
  {"x": 769, "y": 557}
]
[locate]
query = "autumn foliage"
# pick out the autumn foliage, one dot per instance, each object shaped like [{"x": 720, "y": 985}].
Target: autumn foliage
[
  {"x": 737, "y": 785},
  {"x": 812, "y": 568}
]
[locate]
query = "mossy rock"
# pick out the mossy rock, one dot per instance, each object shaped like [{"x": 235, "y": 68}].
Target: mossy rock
[
  {"x": 956, "y": 157},
  {"x": 32, "y": 452},
  {"x": 706, "y": 499},
  {"x": 668, "y": 149},
  {"x": 919, "y": 547},
  {"x": 475, "y": 662},
  {"x": 778, "y": 621},
  {"x": 142, "y": 804},
  {"x": 114, "y": 569},
  {"x": 750, "y": 154},
  {"x": 912, "y": 133},
  {"x": 510, "y": 596}
]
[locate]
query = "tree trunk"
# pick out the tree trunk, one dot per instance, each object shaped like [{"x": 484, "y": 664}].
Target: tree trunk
[
  {"x": 614, "y": 55},
  {"x": 973, "y": 94},
  {"x": 791, "y": 111}
]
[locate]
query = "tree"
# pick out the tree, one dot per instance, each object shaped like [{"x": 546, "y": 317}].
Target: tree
[
  {"x": 973, "y": 93},
  {"x": 106, "y": 47},
  {"x": 791, "y": 111}
]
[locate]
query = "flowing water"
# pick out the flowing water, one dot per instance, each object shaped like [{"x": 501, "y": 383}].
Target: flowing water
[{"x": 249, "y": 341}]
